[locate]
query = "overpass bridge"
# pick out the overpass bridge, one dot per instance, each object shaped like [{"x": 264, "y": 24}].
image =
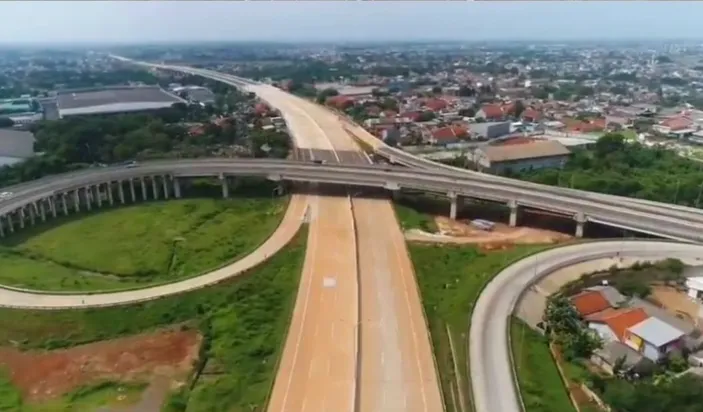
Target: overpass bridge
[{"x": 161, "y": 179}]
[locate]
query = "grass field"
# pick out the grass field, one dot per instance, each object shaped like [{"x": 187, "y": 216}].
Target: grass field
[
  {"x": 450, "y": 280},
  {"x": 540, "y": 384},
  {"x": 410, "y": 218},
  {"x": 244, "y": 322},
  {"x": 139, "y": 245}
]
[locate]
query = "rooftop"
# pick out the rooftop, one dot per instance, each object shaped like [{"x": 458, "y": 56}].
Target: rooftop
[
  {"x": 589, "y": 302},
  {"x": 656, "y": 331},
  {"x": 114, "y": 100},
  {"x": 620, "y": 320},
  {"x": 537, "y": 149}
]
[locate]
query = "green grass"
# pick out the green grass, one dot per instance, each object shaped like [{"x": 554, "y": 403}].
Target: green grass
[
  {"x": 450, "y": 280},
  {"x": 87, "y": 398},
  {"x": 410, "y": 218},
  {"x": 91, "y": 398},
  {"x": 139, "y": 245},
  {"x": 540, "y": 384},
  {"x": 244, "y": 321}
]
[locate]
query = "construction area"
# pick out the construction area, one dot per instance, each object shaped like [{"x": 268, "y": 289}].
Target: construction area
[{"x": 499, "y": 237}]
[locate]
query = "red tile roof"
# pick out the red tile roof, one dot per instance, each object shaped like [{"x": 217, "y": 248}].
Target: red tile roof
[
  {"x": 492, "y": 111},
  {"x": 619, "y": 320},
  {"x": 449, "y": 133},
  {"x": 436, "y": 104},
  {"x": 677, "y": 123},
  {"x": 589, "y": 302},
  {"x": 531, "y": 114}
]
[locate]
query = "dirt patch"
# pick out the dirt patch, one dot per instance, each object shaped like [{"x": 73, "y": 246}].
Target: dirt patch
[
  {"x": 501, "y": 237},
  {"x": 675, "y": 301},
  {"x": 46, "y": 375}
]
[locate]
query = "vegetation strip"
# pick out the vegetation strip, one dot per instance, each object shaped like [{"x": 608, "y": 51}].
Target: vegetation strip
[
  {"x": 243, "y": 320},
  {"x": 451, "y": 278},
  {"x": 541, "y": 385}
]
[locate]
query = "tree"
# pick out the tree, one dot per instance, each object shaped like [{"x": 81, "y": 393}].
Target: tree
[
  {"x": 609, "y": 143},
  {"x": 518, "y": 108},
  {"x": 325, "y": 94},
  {"x": 437, "y": 90},
  {"x": 6, "y": 122}
]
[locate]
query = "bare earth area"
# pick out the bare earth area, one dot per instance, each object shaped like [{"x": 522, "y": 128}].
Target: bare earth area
[
  {"x": 502, "y": 235},
  {"x": 675, "y": 301},
  {"x": 148, "y": 358}
]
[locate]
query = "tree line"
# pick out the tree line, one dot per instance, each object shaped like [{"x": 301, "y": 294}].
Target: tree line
[
  {"x": 81, "y": 142},
  {"x": 630, "y": 170}
]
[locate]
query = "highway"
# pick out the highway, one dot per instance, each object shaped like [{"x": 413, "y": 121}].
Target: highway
[{"x": 358, "y": 338}]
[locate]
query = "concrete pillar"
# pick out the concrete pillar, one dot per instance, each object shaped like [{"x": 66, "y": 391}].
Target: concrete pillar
[
  {"x": 395, "y": 194},
  {"x": 32, "y": 213},
  {"x": 176, "y": 187},
  {"x": 455, "y": 203},
  {"x": 580, "y": 223},
  {"x": 52, "y": 205},
  {"x": 120, "y": 191},
  {"x": 88, "y": 196},
  {"x": 131, "y": 190},
  {"x": 513, "y": 213},
  {"x": 154, "y": 188},
  {"x": 10, "y": 224},
  {"x": 225, "y": 186},
  {"x": 42, "y": 212},
  {"x": 64, "y": 204},
  {"x": 2, "y": 229},
  {"x": 143, "y": 188},
  {"x": 98, "y": 195},
  {"x": 22, "y": 217},
  {"x": 76, "y": 200},
  {"x": 164, "y": 182},
  {"x": 110, "y": 199}
]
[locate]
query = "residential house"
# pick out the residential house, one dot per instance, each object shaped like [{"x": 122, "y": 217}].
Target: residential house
[
  {"x": 589, "y": 302},
  {"x": 675, "y": 126},
  {"x": 516, "y": 157},
  {"x": 654, "y": 338},
  {"x": 447, "y": 135},
  {"x": 531, "y": 115},
  {"x": 612, "y": 324},
  {"x": 491, "y": 113}
]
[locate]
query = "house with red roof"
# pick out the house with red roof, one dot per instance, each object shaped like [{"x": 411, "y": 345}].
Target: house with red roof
[
  {"x": 676, "y": 126},
  {"x": 448, "y": 135},
  {"x": 436, "y": 105},
  {"x": 589, "y": 302},
  {"x": 531, "y": 115},
  {"x": 491, "y": 113}
]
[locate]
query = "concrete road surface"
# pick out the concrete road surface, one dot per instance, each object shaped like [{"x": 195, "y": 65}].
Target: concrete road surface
[{"x": 397, "y": 371}]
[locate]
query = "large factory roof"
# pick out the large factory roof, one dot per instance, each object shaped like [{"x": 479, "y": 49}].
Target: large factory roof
[{"x": 113, "y": 100}]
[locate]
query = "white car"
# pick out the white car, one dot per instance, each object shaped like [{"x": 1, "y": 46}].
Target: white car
[{"x": 5, "y": 195}]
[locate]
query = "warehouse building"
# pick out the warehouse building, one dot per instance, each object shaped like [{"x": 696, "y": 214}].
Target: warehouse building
[
  {"x": 22, "y": 111},
  {"x": 15, "y": 146},
  {"x": 112, "y": 100},
  {"x": 517, "y": 157}
]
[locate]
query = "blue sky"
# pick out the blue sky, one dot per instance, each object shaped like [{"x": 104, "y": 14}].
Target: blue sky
[{"x": 134, "y": 21}]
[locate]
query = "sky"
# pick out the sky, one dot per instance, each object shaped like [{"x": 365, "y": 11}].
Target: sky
[{"x": 51, "y": 22}]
